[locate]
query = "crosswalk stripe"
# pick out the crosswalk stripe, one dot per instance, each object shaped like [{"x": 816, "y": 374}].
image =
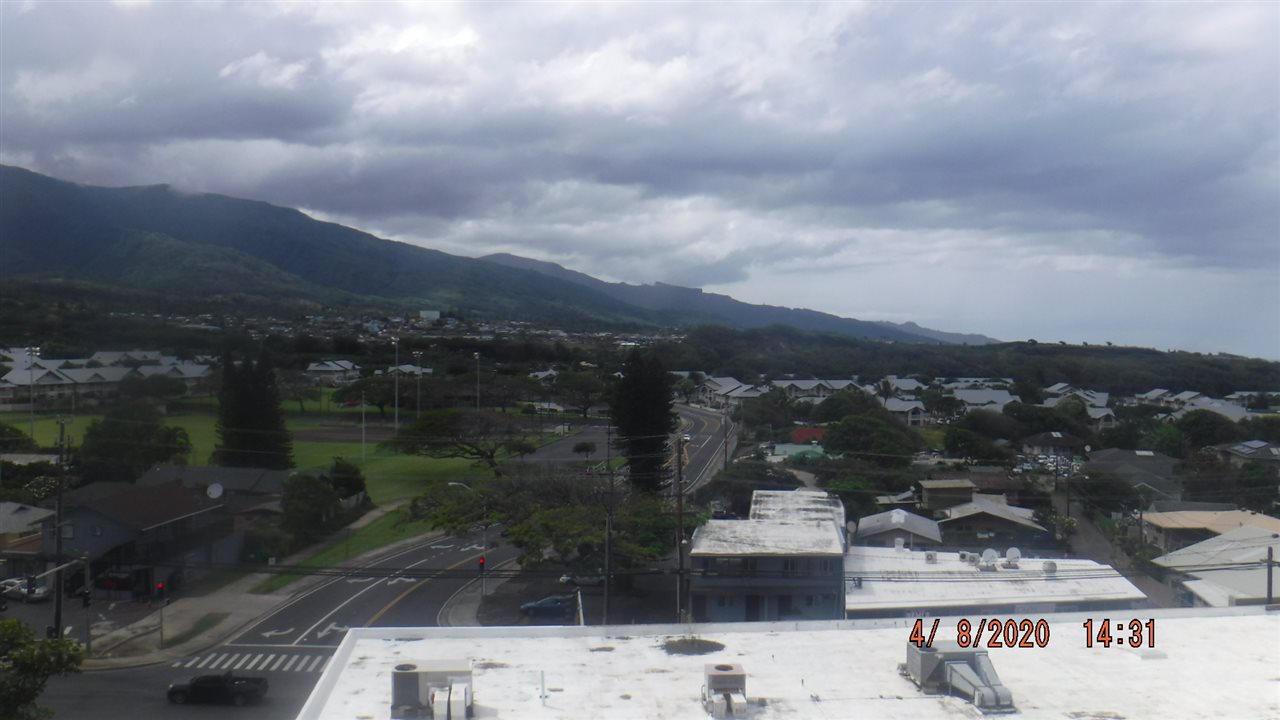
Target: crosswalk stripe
[
  {"x": 278, "y": 661},
  {"x": 292, "y": 660},
  {"x": 266, "y": 661},
  {"x": 205, "y": 661},
  {"x": 227, "y": 665},
  {"x": 261, "y": 662},
  {"x": 253, "y": 662},
  {"x": 314, "y": 663},
  {"x": 243, "y": 660},
  {"x": 325, "y": 664}
]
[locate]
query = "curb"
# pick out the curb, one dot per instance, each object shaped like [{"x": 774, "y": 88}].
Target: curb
[{"x": 447, "y": 608}]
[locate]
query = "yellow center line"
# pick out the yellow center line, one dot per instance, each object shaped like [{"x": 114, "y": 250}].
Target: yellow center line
[{"x": 378, "y": 615}]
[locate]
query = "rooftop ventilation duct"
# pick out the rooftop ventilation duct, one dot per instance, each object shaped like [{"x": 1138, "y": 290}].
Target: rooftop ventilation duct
[
  {"x": 946, "y": 668},
  {"x": 724, "y": 692},
  {"x": 439, "y": 689}
]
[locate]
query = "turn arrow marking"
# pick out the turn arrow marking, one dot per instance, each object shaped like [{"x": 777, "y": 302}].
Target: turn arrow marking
[{"x": 274, "y": 633}]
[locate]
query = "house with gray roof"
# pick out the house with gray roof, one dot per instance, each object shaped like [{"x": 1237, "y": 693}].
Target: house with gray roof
[
  {"x": 1151, "y": 473},
  {"x": 988, "y": 520},
  {"x": 1227, "y": 570},
  {"x": 1260, "y": 451},
  {"x": 887, "y": 529},
  {"x": 993, "y": 400}
]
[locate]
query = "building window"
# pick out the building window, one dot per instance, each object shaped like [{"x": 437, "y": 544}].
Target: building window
[{"x": 808, "y": 601}]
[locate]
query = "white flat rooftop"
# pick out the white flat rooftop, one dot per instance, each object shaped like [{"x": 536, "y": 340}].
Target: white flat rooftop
[
  {"x": 894, "y": 578},
  {"x": 1205, "y": 664},
  {"x": 756, "y": 538}
]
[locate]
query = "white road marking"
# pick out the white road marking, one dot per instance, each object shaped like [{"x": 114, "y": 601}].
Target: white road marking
[
  {"x": 314, "y": 663},
  {"x": 226, "y": 664},
  {"x": 278, "y": 661},
  {"x": 202, "y": 662},
  {"x": 242, "y": 662},
  {"x": 292, "y": 660}
]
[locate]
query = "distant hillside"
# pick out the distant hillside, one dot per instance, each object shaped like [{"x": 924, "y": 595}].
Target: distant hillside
[
  {"x": 695, "y": 306},
  {"x": 155, "y": 241},
  {"x": 154, "y": 238}
]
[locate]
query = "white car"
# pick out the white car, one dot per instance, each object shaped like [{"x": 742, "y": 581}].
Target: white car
[{"x": 16, "y": 589}]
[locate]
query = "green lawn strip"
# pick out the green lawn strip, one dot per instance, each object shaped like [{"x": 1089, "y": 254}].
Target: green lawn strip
[
  {"x": 934, "y": 438},
  {"x": 47, "y": 425},
  {"x": 345, "y": 545},
  {"x": 206, "y": 622}
]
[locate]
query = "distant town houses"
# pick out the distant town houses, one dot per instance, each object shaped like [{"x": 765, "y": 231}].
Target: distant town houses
[
  {"x": 333, "y": 372},
  {"x": 92, "y": 380}
]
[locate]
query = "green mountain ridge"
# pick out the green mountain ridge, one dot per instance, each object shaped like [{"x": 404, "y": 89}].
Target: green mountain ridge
[{"x": 155, "y": 239}]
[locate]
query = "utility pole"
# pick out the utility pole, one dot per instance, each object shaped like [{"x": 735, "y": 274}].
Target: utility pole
[
  {"x": 362, "y": 458},
  {"x": 680, "y": 529},
  {"x": 477, "y": 355},
  {"x": 417, "y": 360},
  {"x": 57, "y": 538},
  {"x": 608, "y": 524},
  {"x": 1270, "y": 563},
  {"x": 88, "y": 601},
  {"x": 395, "y": 343}
]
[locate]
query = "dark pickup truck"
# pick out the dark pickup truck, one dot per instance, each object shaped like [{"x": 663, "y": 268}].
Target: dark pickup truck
[{"x": 225, "y": 688}]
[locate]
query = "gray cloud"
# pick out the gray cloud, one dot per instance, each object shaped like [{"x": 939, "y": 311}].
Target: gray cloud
[{"x": 728, "y": 146}]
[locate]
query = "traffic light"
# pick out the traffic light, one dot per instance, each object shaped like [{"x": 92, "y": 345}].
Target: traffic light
[
  {"x": 481, "y": 564},
  {"x": 159, "y": 591},
  {"x": 87, "y": 598}
]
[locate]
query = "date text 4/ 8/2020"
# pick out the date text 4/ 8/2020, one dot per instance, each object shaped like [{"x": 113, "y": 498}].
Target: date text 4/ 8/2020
[{"x": 1027, "y": 633}]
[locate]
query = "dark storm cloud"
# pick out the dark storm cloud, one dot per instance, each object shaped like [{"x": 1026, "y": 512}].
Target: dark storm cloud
[{"x": 700, "y": 144}]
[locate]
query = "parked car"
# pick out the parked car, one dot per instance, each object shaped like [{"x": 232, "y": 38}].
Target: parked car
[
  {"x": 16, "y": 589},
  {"x": 225, "y": 688},
  {"x": 594, "y": 579},
  {"x": 550, "y": 606}
]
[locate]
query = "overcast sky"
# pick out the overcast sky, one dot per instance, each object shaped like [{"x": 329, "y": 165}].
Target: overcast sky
[{"x": 1052, "y": 171}]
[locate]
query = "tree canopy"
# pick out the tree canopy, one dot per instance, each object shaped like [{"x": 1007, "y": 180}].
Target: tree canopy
[
  {"x": 26, "y": 664},
  {"x": 642, "y": 411},
  {"x": 251, "y": 429},
  {"x": 127, "y": 441},
  {"x": 480, "y": 435}
]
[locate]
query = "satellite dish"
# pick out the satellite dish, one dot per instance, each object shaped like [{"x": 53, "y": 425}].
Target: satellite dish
[
  {"x": 989, "y": 555},
  {"x": 214, "y": 491},
  {"x": 1013, "y": 554},
  {"x": 1050, "y": 567}
]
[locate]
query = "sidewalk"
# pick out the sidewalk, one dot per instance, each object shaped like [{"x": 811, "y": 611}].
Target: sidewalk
[{"x": 139, "y": 644}]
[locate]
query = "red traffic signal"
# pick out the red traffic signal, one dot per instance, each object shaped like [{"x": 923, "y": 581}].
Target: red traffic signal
[
  {"x": 159, "y": 589},
  {"x": 481, "y": 563}
]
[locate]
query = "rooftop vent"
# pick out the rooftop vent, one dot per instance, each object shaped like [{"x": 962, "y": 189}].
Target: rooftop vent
[
  {"x": 931, "y": 557},
  {"x": 724, "y": 692},
  {"x": 439, "y": 689},
  {"x": 945, "y": 667},
  {"x": 1050, "y": 567}
]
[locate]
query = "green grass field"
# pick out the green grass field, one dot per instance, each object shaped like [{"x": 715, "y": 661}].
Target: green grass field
[{"x": 343, "y": 545}]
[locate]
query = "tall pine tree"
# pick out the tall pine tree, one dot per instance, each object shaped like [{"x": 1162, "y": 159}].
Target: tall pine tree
[
  {"x": 642, "y": 412},
  {"x": 251, "y": 429}
]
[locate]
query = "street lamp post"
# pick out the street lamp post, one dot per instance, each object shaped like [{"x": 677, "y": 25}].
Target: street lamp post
[
  {"x": 484, "y": 530},
  {"x": 32, "y": 354},
  {"x": 395, "y": 343},
  {"x": 417, "y": 360}
]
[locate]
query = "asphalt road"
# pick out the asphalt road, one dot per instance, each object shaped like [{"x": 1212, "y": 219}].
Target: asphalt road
[
  {"x": 291, "y": 645},
  {"x": 705, "y": 451}
]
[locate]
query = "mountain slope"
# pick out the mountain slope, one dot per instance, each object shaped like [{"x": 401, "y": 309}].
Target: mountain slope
[
  {"x": 54, "y": 228},
  {"x": 694, "y": 305}
]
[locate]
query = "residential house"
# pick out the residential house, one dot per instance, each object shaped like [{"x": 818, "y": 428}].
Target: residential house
[
  {"x": 1151, "y": 474},
  {"x": 910, "y": 412},
  {"x": 244, "y": 490},
  {"x": 1156, "y": 396},
  {"x": 988, "y": 520},
  {"x": 936, "y": 495},
  {"x": 993, "y": 400},
  {"x": 1172, "y": 531},
  {"x": 714, "y": 391},
  {"x": 18, "y": 521},
  {"x": 782, "y": 563},
  {"x": 1226, "y": 570},
  {"x": 1091, "y": 398},
  {"x": 1259, "y": 451},
  {"x": 1056, "y": 444},
  {"x": 333, "y": 372},
  {"x": 1226, "y": 409},
  {"x": 897, "y": 528},
  {"x": 144, "y": 534}
]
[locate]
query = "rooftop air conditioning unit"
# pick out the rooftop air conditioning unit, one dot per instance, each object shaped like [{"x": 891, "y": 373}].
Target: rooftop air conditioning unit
[
  {"x": 431, "y": 688},
  {"x": 724, "y": 692},
  {"x": 964, "y": 556},
  {"x": 945, "y": 667},
  {"x": 931, "y": 557}
]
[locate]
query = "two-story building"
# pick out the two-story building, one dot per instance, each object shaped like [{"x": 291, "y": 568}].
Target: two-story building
[{"x": 785, "y": 562}]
